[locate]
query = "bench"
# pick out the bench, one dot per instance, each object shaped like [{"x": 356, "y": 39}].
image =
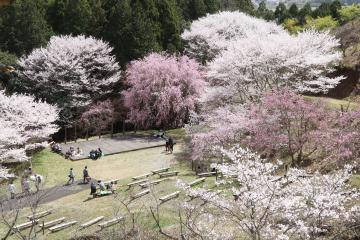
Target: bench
[
  {"x": 39, "y": 215},
  {"x": 161, "y": 170},
  {"x": 148, "y": 184},
  {"x": 169, "y": 197},
  {"x": 206, "y": 174},
  {"x": 26, "y": 225},
  {"x": 140, "y": 194},
  {"x": 115, "y": 181},
  {"x": 91, "y": 222},
  {"x": 168, "y": 174},
  {"x": 62, "y": 226},
  {"x": 141, "y": 176},
  {"x": 110, "y": 222},
  {"x": 53, "y": 222},
  {"x": 136, "y": 182},
  {"x": 197, "y": 181}
]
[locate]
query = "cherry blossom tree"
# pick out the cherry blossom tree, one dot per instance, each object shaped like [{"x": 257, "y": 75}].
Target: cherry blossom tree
[
  {"x": 163, "y": 90},
  {"x": 23, "y": 121},
  {"x": 283, "y": 124},
  {"x": 247, "y": 56},
  {"x": 210, "y": 35},
  {"x": 99, "y": 116},
  {"x": 72, "y": 71},
  {"x": 295, "y": 206}
]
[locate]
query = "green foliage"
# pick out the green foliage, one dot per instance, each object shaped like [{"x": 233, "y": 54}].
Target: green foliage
[
  {"x": 169, "y": 20},
  {"x": 291, "y": 24},
  {"x": 303, "y": 13},
  {"x": 281, "y": 13},
  {"x": 76, "y": 16},
  {"x": 321, "y": 23},
  {"x": 264, "y": 12},
  {"x": 349, "y": 13},
  {"x": 245, "y": 6},
  {"x": 293, "y": 11},
  {"x": 23, "y": 26},
  {"x": 197, "y": 8},
  {"x": 7, "y": 59},
  {"x": 322, "y": 11},
  {"x": 335, "y": 8}
]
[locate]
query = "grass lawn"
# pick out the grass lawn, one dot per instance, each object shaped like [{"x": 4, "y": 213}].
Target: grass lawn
[
  {"x": 77, "y": 207},
  {"x": 335, "y": 103}
]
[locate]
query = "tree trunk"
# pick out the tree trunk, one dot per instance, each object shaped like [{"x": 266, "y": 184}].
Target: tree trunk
[
  {"x": 75, "y": 132},
  {"x": 65, "y": 140}
]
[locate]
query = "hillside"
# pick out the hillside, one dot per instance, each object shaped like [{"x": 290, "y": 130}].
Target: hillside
[{"x": 349, "y": 35}]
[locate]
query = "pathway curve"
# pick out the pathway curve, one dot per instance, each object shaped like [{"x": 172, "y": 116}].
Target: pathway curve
[{"x": 44, "y": 196}]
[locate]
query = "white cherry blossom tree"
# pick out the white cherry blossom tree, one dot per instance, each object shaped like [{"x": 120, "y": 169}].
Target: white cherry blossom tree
[
  {"x": 72, "y": 71},
  {"x": 269, "y": 206},
  {"x": 23, "y": 121}
]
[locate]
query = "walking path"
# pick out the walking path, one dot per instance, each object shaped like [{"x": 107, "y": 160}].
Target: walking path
[{"x": 44, "y": 196}]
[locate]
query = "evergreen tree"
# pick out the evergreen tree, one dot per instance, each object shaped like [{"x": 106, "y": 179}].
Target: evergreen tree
[
  {"x": 334, "y": 8},
  {"x": 132, "y": 28},
  {"x": 264, "y": 12},
  {"x": 305, "y": 11},
  {"x": 322, "y": 11},
  {"x": 245, "y": 6},
  {"x": 212, "y": 6},
  {"x": 281, "y": 13},
  {"x": 24, "y": 26},
  {"x": 293, "y": 11},
  {"x": 169, "y": 20},
  {"x": 197, "y": 8}
]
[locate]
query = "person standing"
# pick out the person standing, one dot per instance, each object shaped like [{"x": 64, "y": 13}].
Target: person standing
[
  {"x": 71, "y": 176},
  {"x": 26, "y": 186},
  {"x": 93, "y": 189},
  {"x": 171, "y": 145},
  {"x": 85, "y": 175},
  {"x": 38, "y": 180},
  {"x": 12, "y": 190}
]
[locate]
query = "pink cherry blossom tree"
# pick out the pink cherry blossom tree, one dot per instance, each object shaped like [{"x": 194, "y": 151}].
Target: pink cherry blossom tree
[
  {"x": 99, "y": 116},
  {"x": 163, "y": 90},
  {"x": 24, "y": 122},
  {"x": 71, "y": 71}
]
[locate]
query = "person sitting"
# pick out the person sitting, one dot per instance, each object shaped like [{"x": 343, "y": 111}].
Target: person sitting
[
  {"x": 78, "y": 151},
  {"x": 101, "y": 185},
  {"x": 110, "y": 187},
  {"x": 93, "y": 189},
  {"x": 70, "y": 153},
  {"x": 99, "y": 153},
  {"x": 55, "y": 147},
  {"x": 92, "y": 154}
]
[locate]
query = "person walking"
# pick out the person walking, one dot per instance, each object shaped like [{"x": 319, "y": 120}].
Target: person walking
[
  {"x": 12, "y": 190},
  {"x": 171, "y": 145},
  {"x": 71, "y": 176},
  {"x": 86, "y": 175}
]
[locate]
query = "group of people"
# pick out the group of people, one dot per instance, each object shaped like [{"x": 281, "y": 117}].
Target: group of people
[
  {"x": 72, "y": 153},
  {"x": 25, "y": 183},
  {"x": 169, "y": 142},
  {"x": 104, "y": 188},
  {"x": 86, "y": 176},
  {"x": 55, "y": 147},
  {"x": 96, "y": 154}
]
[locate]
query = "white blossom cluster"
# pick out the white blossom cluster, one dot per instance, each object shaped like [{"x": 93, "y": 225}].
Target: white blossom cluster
[
  {"x": 269, "y": 206},
  {"x": 23, "y": 120},
  {"x": 247, "y": 56}
]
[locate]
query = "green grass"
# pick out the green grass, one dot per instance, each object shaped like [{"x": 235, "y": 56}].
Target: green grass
[
  {"x": 71, "y": 206},
  {"x": 355, "y": 181},
  {"x": 335, "y": 103}
]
